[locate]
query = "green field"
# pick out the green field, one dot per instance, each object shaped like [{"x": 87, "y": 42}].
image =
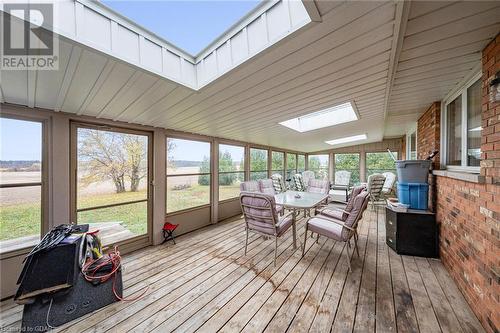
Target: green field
[{"x": 19, "y": 220}]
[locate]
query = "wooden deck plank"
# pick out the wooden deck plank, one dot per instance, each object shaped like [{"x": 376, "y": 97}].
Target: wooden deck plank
[
  {"x": 365, "y": 311},
  {"x": 444, "y": 313},
  {"x": 271, "y": 305},
  {"x": 346, "y": 313},
  {"x": 466, "y": 317},
  {"x": 305, "y": 316},
  {"x": 296, "y": 296},
  {"x": 219, "y": 319},
  {"x": 406, "y": 319},
  {"x": 158, "y": 286},
  {"x": 427, "y": 321},
  {"x": 254, "y": 278},
  {"x": 206, "y": 284},
  {"x": 185, "y": 320},
  {"x": 385, "y": 315}
]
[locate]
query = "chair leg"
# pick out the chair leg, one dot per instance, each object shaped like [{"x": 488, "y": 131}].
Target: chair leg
[
  {"x": 317, "y": 239},
  {"x": 356, "y": 241},
  {"x": 305, "y": 240},
  {"x": 275, "y": 249},
  {"x": 348, "y": 255},
  {"x": 246, "y": 241}
]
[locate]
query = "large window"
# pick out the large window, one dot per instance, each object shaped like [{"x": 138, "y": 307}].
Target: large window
[
  {"x": 454, "y": 129},
  {"x": 112, "y": 172},
  {"x": 463, "y": 127},
  {"x": 258, "y": 164},
  {"x": 412, "y": 146},
  {"x": 380, "y": 162},
  {"x": 20, "y": 183},
  {"x": 301, "y": 163},
  {"x": 474, "y": 124},
  {"x": 348, "y": 162},
  {"x": 319, "y": 164},
  {"x": 278, "y": 163},
  {"x": 231, "y": 170},
  {"x": 291, "y": 165},
  {"x": 188, "y": 174}
]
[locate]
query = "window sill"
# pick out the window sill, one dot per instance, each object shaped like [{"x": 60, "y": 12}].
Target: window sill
[{"x": 465, "y": 176}]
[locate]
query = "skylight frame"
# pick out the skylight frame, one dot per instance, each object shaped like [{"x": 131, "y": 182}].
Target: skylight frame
[
  {"x": 347, "y": 139},
  {"x": 295, "y": 125}
]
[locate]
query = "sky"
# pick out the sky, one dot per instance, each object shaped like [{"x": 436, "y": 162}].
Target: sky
[
  {"x": 189, "y": 25},
  {"x": 20, "y": 140}
]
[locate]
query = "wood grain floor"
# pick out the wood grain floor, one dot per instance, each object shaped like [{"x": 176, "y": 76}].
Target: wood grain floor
[{"x": 205, "y": 283}]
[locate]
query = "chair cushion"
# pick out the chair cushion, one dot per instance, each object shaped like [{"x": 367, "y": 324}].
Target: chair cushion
[
  {"x": 283, "y": 224},
  {"x": 325, "y": 228},
  {"x": 334, "y": 214}
]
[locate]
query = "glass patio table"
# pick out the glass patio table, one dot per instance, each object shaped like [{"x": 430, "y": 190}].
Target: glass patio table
[{"x": 306, "y": 201}]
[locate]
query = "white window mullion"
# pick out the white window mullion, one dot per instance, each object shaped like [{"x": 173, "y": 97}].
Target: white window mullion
[{"x": 464, "y": 128}]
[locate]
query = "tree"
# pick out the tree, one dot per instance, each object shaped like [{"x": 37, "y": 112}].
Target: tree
[
  {"x": 204, "y": 168},
  {"x": 348, "y": 162},
  {"x": 114, "y": 156},
  {"x": 314, "y": 163},
  {"x": 258, "y": 160}
]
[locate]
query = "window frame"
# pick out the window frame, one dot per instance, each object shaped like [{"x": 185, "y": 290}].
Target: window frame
[
  {"x": 409, "y": 133},
  {"x": 44, "y": 177},
  {"x": 461, "y": 91},
  {"x": 335, "y": 165},
  {"x": 137, "y": 240},
  {"x": 286, "y": 163},
  {"x": 210, "y": 174},
  {"x": 398, "y": 153},
  {"x": 305, "y": 163},
  {"x": 327, "y": 168},
  {"x": 243, "y": 171},
  {"x": 268, "y": 160},
  {"x": 281, "y": 171}
]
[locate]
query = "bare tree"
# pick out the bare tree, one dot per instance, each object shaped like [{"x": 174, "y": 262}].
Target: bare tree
[{"x": 115, "y": 156}]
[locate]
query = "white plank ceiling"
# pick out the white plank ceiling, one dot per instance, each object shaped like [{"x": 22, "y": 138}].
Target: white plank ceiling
[{"x": 357, "y": 52}]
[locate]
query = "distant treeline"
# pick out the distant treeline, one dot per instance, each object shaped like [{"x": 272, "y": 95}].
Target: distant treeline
[
  {"x": 20, "y": 165},
  {"x": 181, "y": 163}
]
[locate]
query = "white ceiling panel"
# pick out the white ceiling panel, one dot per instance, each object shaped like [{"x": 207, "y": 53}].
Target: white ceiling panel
[{"x": 351, "y": 55}]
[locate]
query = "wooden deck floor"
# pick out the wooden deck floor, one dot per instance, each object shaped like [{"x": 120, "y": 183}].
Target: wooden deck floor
[{"x": 205, "y": 283}]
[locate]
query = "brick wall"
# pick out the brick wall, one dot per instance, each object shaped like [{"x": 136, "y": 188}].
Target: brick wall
[
  {"x": 428, "y": 132},
  {"x": 490, "y": 140},
  {"x": 469, "y": 213}
]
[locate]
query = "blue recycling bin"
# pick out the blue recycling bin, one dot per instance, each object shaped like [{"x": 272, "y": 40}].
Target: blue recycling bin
[{"x": 414, "y": 194}]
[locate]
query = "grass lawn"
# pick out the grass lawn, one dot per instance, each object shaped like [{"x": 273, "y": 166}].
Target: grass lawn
[{"x": 19, "y": 220}]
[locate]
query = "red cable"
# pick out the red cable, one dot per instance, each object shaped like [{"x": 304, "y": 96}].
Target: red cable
[{"x": 114, "y": 259}]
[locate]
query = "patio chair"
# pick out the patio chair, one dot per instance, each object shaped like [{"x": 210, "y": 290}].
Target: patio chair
[
  {"x": 259, "y": 211},
  {"x": 390, "y": 180},
  {"x": 278, "y": 183},
  {"x": 250, "y": 186},
  {"x": 306, "y": 175},
  {"x": 342, "y": 182},
  {"x": 342, "y": 214},
  {"x": 266, "y": 186},
  {"x": 318, "y": 186},
  {"x": 374, "y": 188},
  {"x": 298, "y": 183},
  {"x": 339, "y": 230}
]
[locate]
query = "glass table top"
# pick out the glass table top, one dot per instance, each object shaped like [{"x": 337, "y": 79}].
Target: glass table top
[{"x": 306, "y": 200}]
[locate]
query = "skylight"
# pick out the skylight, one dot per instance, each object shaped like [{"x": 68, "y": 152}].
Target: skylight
[
  {"x": 347, "y": 139},
  {"x": 335, "y": 115},
  {"x": 189, "y": 25}
]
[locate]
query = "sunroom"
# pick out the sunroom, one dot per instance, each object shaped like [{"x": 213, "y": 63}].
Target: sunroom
[{"x": 160, "y": 159}]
